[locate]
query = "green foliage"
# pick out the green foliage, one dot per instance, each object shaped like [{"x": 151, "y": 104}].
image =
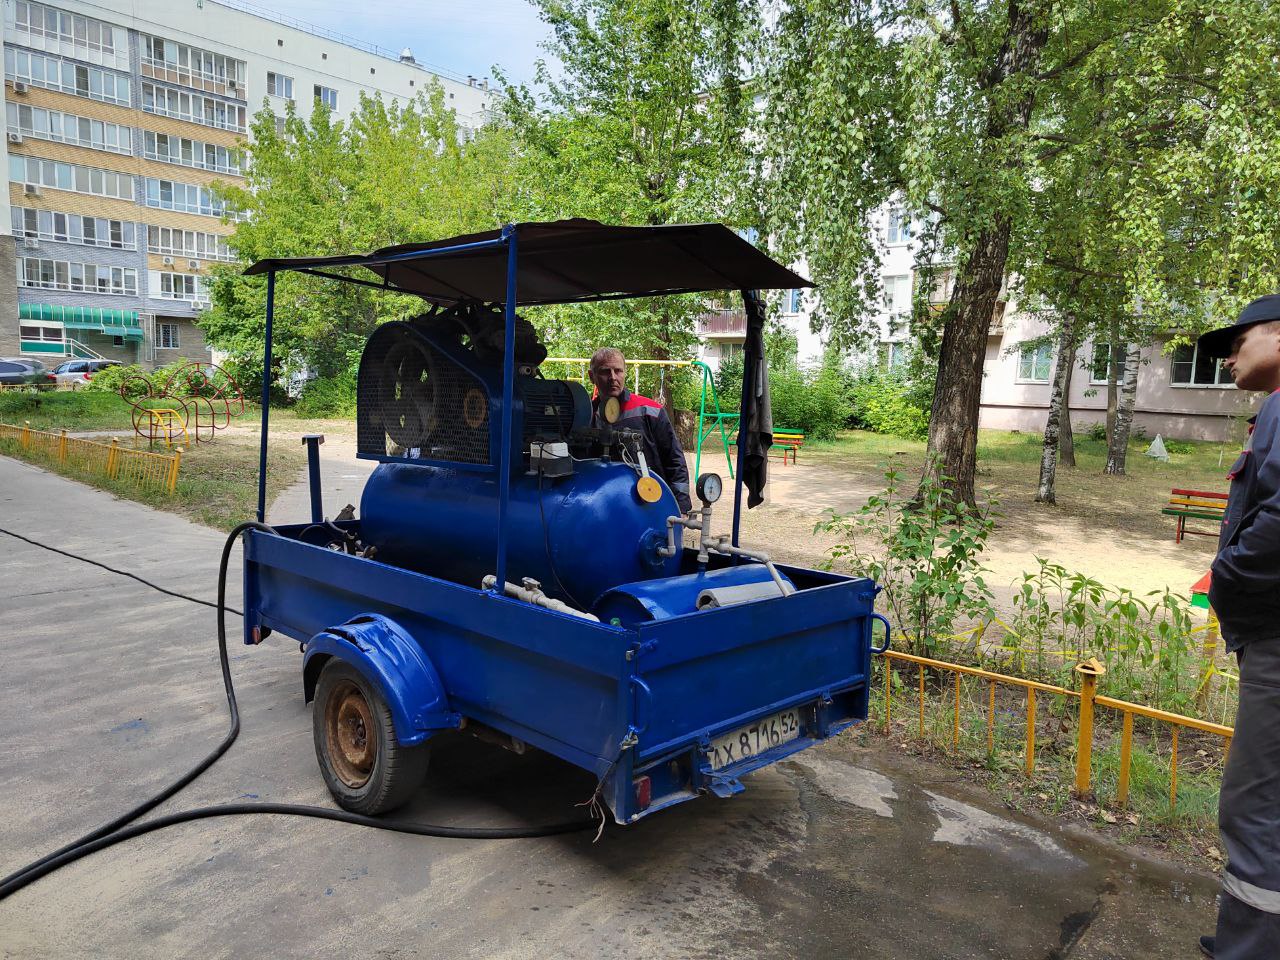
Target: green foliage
[
  {"x": 642, "y": 126},
  {"x": 886, "y": 402},
  {"x": 814, "y": 400},
  {"x": 328, "y": 397},
  {"x": 926, "y": 554},
  {"x": 1097, "y": 431},
  {"x": 65, "y": 410},
  {"x": 387, "y": 175}
]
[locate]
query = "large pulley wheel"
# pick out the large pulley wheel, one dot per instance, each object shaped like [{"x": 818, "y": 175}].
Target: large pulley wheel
[
  {"x": 409, "y": 414},
  {"x": 365, "y": 768}
]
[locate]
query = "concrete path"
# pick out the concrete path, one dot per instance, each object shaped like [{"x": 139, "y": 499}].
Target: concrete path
[{"x": 108, "y": 690}]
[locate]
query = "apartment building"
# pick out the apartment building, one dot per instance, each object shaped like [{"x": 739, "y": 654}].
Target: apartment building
[{"x": 119, "y": 116}]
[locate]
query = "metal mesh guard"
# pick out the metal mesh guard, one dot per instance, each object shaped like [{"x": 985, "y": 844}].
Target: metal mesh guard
[{"x": 414, "y": 403}]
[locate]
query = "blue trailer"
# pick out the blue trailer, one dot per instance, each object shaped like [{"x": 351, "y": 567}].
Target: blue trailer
[{"x": 516, "y": 571}]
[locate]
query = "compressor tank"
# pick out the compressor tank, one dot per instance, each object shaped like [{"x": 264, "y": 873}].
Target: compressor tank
[{"x": 578, "y": 536}]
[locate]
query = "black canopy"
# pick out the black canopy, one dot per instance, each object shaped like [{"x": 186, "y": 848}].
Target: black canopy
[{"x": 568, "y": 261}]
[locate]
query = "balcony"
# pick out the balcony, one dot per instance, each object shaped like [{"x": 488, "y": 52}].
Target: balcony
[
  {"x": 194, "y": 78},
  {"x": 723, "y": 324}
]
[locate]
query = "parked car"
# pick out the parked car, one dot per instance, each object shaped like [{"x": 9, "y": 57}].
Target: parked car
[
  {"x": 19, "y": 370},
  {"x": 72, "y": 373}
]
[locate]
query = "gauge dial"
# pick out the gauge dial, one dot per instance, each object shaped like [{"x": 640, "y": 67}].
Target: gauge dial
[
  {"x": 710, "y": 487},
  {"x": 611, "y": 409}
]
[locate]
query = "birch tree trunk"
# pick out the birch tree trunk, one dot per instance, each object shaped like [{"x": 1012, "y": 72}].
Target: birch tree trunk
[
  {"x": 1058, "y": 400},
  {"x": 1114, "y": 371},
  {"x": 1118, "y": 447},
  {"x": 1066, "y": 437}
]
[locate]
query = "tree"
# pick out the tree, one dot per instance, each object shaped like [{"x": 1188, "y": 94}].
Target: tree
[
  {"x": 970, "y": 110},
  {"x": 643, "y": 128},
  {"x": 390, "y": 174}
]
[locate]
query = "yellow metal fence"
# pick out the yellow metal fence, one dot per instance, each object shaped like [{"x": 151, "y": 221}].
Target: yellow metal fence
[
  {"x": 1088, "y": 701},
  {"x": 139, "y": 468}
]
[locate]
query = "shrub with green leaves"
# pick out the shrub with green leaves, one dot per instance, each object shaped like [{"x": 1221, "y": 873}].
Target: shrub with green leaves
[
  {"x": 926, "y": 552},
  {"x": 328, "y": 397}
]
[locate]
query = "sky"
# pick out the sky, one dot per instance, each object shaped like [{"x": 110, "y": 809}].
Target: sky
[{"x": 462, "y": 36}]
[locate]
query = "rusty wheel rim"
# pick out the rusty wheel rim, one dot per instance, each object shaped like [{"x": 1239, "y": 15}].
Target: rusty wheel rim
[{"x": 350, "y": 738}]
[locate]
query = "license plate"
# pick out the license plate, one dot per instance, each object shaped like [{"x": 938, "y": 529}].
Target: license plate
[{"x": 746, "y": 742}]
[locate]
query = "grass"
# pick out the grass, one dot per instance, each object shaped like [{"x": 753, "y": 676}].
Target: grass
[
  {"x": 1009, "y": 464},
  {"x": 217, "y": 483}
]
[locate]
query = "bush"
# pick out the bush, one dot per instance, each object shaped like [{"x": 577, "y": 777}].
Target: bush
[
  {"x": 887, "y": 402},
  {"x": 814, "y": 400},
  {"x": 111, "y": 379},
  {"x": 927, "y": 554},
  {"x": 1097, "y": 431},
  {"x": 333, "y": 397}
]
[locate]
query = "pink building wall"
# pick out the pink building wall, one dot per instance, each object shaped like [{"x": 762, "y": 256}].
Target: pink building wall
[{"x": 1180, "y": 412}]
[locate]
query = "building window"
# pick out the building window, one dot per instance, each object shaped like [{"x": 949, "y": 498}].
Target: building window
[
  {"x": 84, "y": 32},
  {"x": 40, "y": 334},
  {"x": 70, "y": 176},
  {"x": 80, "y": 277},
  {"x": 730, "y": 350},
  {"x": 190, "y": 153},
  {"x": 1190, "y": 368},
  {"x": 1100, "y": 363},
  {"x": 187, "y": 243},
  {"x": 178, "y": 286},
  {"x": 1035, "y": 363},
  {"x": 66, "y": 76},
  {"x": 187, "y": 197},
  {"x": 894, "y": 354},
  {"x": 192, "y": 107},
  {"x": 327, "y": 96},
  {"x": 897, "y": 226},
  {"x": 192, "y": 67},
  {"x": 794, "y": 298},
  {"x": 73, "y": 228},
  {"x": 68, "y": 128},
  {"x": 897, "y": 297},
  {"x": 278, "y": 85},
  {"x": 167, "y": 336}
]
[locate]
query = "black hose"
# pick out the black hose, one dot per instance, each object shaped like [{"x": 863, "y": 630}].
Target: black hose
[{"x": 115, "y": 831}]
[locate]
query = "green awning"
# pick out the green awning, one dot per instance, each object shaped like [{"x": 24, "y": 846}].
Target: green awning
[{"x": 113, "y": 323}]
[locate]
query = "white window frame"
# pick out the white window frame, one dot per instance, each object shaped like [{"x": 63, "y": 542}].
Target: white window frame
[
  {"x": 196, "y": 68},
  {"x": 62, "y": 75},
  {"x": 186, "y": 152},
  {"x": 74, "y": 275},
  {"x": 1094, "y": 380},
  {"x": 191, "y": 244},
  {"x": 167, "y": 336},
  {"x": 194, "y": 107},
  {"x": 71, "y": 177},
  {"x": 73, "y": 228},
  {"x": 59, "y": 127},
  {"x": 68, "y": 27},
  {"x": 183, "y": 197},
  {"x": 897, "y": 226},
  {"x": 1033, "y": 355},
  {"x": 185, "y": 287},
  {"x": 325, "y": 95},
  {"x": 1218, "y": 371},
  {"x": 279, "y": 85}
]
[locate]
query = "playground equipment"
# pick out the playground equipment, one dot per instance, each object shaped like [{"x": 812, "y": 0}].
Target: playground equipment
[
  {"x": 203, "y": 399},
  {"x": 518, "y": 574}
]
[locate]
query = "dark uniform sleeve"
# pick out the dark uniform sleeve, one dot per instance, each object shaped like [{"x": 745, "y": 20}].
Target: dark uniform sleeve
[
  {"x": 673, "y": 468},
  {"x": 1251, "y": 564}
]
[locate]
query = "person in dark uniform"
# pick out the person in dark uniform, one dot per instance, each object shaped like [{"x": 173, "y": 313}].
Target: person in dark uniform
[
  {"x": 662, "y": 450},
  {"x": 1245, "y": 593}
]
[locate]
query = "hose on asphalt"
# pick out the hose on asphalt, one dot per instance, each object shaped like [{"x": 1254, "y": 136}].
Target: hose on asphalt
[{"x": 117, "y": 830}]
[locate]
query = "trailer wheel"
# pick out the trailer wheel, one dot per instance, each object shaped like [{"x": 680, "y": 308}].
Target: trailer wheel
[{"x": 366, "y": 770}]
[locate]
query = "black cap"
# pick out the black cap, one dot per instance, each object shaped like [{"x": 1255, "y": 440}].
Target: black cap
[{"x": 1217, "y": 343}]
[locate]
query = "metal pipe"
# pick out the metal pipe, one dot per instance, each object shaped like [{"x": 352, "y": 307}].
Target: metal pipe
[
  {"x": 266, "y": 397},
  {"x": 531, "y": 592},
  {"x": 313, "y": 441},
  {"x": 508, "y": 378}
]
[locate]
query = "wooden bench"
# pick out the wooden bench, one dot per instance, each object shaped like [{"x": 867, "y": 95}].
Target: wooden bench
[
  {"x": 1195, "y": 505},
  {"x": 788, "y": 441}
]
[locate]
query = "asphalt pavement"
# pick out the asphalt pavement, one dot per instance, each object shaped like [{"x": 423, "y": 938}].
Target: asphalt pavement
[{"x": 109, "y": 690}]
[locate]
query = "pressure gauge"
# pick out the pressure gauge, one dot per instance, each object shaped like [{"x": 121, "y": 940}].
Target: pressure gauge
[{"x": 709, "y": 488}]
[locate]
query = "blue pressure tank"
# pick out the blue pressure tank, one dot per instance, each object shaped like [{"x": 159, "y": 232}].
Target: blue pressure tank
[{"x": 578, "y": 535}]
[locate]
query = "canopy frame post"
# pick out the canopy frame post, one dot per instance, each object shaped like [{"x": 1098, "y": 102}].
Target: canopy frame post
[
  {"x": 508, "y": 385},
  {"x": 266, "y": 397}
]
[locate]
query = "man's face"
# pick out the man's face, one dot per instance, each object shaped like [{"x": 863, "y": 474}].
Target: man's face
[
  {"x": 609, "y": 376},
  {"x": 1254, "y": 362}
]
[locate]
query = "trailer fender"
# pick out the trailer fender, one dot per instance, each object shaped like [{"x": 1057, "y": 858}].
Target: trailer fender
[{"x": 393, "y": 661}]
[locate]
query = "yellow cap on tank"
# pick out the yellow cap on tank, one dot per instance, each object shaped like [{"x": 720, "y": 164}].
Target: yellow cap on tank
[{"x": 648, "y": 489}]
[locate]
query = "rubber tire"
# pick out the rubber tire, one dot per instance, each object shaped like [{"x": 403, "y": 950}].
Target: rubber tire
[{"x": 397, "y": 770}]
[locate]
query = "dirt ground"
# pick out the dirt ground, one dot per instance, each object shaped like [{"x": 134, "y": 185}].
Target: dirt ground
[{"x": 1110, "y": 530}]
